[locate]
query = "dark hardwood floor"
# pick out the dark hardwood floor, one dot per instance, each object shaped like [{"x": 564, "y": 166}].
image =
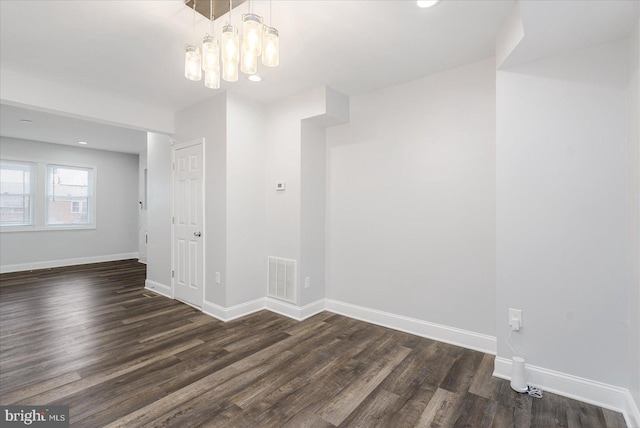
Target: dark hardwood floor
[{"x": 90, "y": 338}]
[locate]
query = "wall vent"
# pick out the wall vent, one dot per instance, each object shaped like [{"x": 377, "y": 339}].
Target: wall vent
[{"x": 282, "y": 279}]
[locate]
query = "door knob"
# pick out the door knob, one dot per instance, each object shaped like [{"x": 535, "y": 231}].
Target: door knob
[{"x": 197, "y": 233}]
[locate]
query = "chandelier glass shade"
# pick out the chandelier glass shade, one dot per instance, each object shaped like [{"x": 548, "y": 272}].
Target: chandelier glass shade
[
  {"x": 210, "y": 54},
  {"x": 271, "y": 49},
  {"x": 252, "y": 34},
  {"x": 230, "y": 44},
  {"x": 230, "y": 53},
  {"x": 192, "y": 63}
]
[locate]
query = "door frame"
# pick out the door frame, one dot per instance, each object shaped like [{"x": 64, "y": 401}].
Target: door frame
[{"x": 177, "y": 145}]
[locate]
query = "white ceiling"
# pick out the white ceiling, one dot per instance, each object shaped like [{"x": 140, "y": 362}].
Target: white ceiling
[{"x": 135, "y": 49}]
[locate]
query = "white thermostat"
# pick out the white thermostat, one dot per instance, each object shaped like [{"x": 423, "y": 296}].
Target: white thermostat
[{"x": 280, "y": 185}]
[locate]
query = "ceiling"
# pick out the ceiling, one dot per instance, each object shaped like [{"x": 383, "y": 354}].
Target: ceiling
[{"x": 135, "y": 49}]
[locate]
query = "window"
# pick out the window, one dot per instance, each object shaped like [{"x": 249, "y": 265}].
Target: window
[
  {"x": 69, "y": 195},
  {"x": 41, "y": 196},
  {"x": 16, "y": 193}
]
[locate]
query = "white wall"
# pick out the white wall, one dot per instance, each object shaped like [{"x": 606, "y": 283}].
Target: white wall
[
  {"x": 633, "y": 177},
  {"x": 410, "y": 218},
  {"x": 245, "y": 203},
  {"x": 116, "y": 209},
  {"x": 283, "y": 134},
  {"x": 208, "y": 119},
  {"x": 159, "y": 211},
  {"x": 313, "y": 150},
  {"x": 562, "y": 212}
]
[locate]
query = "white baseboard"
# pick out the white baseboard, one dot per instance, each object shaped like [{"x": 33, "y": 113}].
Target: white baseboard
[
  {"x": 298, "y": 313},
  {"x": 455, "y": 336},
  {"x": 292, "y": 311},
  {"x": 232, "y": 312},
  {"x": 586, "y": 390},
  {"x": 66, "y": 262},
  {"x": 467, "y": 339},
  {"x": 159, "y": 288},
  {"x": 632, "y": 412}
]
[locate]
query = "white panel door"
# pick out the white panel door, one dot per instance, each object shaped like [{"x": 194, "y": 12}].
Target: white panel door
[{"x": 188, "y": 231}]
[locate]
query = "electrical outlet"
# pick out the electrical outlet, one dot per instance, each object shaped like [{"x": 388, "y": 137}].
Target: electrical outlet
[
  {"x": 307, "y": 281},
  {"x": 217, "y": 277},
  {"x": 515, "y": 319}
]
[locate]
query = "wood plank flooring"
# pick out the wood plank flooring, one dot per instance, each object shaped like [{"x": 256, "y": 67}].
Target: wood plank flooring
[{"x": 90, "y": 338}]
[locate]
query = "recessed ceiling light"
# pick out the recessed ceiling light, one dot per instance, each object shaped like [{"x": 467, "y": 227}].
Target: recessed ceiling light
[
  {"x": 255, "y": 78},
  {"x": 427, "y": 3},
  {"x": 26, "y": 121},
  {"x": 84, "y": 143}
]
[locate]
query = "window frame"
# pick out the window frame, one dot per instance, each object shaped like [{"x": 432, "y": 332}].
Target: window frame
[
  {"x": 90, "y": 198},
  {"x": 32, "y": 166},
  {"x": 40, "y": 197}
]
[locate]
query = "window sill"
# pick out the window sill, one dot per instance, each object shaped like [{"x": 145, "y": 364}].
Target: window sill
[{"x": 46, "y": 229}]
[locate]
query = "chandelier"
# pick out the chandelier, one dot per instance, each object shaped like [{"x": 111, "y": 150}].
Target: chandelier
[{"x": 235, "y": 52}]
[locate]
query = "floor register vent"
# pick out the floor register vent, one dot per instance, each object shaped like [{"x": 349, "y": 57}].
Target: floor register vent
[{"x": 282, "y": 279}]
